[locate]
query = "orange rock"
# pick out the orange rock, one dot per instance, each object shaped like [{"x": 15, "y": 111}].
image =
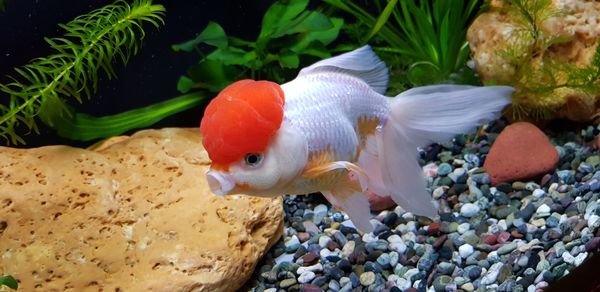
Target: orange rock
[
  {"x": 598, "y": 142},
  {"x": 378, "y": 203},
  {"x": 521, "y": 152}
]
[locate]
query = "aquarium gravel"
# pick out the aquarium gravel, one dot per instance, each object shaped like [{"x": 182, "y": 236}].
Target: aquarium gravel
[{"x": 511, "y": 237}]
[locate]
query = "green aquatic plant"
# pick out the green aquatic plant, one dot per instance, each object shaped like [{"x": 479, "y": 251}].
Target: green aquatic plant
[
  {"x": 9, "y": 282},
  {"x": 425, "y": 39},
  {"x": 543, "y": 80},
  {"x": 91, "y": 44},
  {"x": 2, "y": 8},
  {"x": 289, "y": 34}
]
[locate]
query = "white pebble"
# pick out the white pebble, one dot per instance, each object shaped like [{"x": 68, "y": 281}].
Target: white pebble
[
  {"x": 324, "y": 240},
  {"x": 320, "y": 213},
  {"x": 465, "y": 250},
  {"x": 369, "y": 237},
  {"x": 348, "y": 248},
  {"x": 543, "y": 209},
  {"x": 580, "y": 258},
  {"x": 593, "y": 221},
  {"x": 292, "y": 241},
  {"x": 568, "y": 258},
  {"x": 314, "y": 268},
  {"x": 493, "y": 256},
  {"x": 439, "y": 192},
  {"x": 492, "y": 274},
  {"x": 325, "y": 253},
  {"x": 410, "y": 273},
  {"x": 469, "y": 210},
  {"x": 502, "y": 225},
  {"x": 306, "y": 277},
  {"x": 538, "y": 193},
  {"x": 464, "y": 227}
]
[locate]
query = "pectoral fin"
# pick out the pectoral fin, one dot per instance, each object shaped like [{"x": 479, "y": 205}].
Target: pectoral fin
[{"x": 355, "y": 172}]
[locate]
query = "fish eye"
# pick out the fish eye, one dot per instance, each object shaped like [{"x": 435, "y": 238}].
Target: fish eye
[{"x": 253, "y": 159}]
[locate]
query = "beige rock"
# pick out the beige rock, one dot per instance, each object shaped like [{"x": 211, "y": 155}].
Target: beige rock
[
  {"x": 135, "y": 214},
  {"x": 577, "y": 23}
]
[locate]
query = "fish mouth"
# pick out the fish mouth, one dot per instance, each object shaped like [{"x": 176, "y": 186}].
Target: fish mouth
[{"x": 220, "y": 183}]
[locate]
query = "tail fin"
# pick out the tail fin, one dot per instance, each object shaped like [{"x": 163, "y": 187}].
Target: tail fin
[{"x": 424, "y": 115}]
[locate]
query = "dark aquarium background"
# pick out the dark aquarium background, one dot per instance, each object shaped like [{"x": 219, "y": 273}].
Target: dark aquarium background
[{"x": 149, "y": 77}]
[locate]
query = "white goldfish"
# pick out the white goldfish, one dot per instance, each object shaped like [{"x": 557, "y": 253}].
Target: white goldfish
[{"x": 331, "y": 130}]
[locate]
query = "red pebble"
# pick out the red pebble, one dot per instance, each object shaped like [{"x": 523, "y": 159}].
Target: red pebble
[
  {"x": 503, "y": 237},
  {"x": 303, "y": 236},
  {"x": 516, "y": 234},
  {"x": 332, "y": 245},
  {"x": 311, "y": 288},
  {"x": 309, "y": 258},
  {"x": 434, "y": 228},
  {"x": 490, "y": 239},
  {"x": 439, "y": 241},
  {"x": 378, "y": 203}
]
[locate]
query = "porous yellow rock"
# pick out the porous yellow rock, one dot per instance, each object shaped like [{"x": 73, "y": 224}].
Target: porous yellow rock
[
  {"x": 576, "y": 23},
  {"x": 134, "y": 214}
]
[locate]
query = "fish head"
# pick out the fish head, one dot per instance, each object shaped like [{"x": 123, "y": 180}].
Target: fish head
[{"x": 253, "y": 149}]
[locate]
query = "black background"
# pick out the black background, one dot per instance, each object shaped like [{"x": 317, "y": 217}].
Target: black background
[{"x": 149, "y": 77}]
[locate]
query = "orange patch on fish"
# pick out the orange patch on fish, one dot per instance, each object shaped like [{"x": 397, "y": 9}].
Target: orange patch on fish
[
  {"x": 366, "y": 127},
  {"x": 242, "y": 119}
]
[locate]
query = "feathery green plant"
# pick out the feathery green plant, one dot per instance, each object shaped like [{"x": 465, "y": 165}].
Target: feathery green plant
[
  {"x": 289, "y": 34},
  {"x": 9, "y": 282},
  {"x": 543, "y": 81},
  {"x": 429, "y": 37},
  {"x": 91, "y": 44},
  {"x": 2, "y": 6}
]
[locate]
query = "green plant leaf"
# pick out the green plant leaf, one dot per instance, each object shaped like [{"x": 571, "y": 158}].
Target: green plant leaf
[
  {"x": 84, "y": 127},
  {"x": 279, "y": 14},
  {"x": 308, "y": 21},
  {"x": 184, "y": 84},
  {"x": 232, "y": 56},
  {"x": 90, "y": 44},
  {"x": 9, "y": 282},
  {"x": 213, "y": 35},
  {"x": 305, "y": 42},
  {"x": 289, "y": 60},
  {"x": 433, "y": 32},
  {"x": 213, "y": 75},
  {"x": 382, "y": 19}
]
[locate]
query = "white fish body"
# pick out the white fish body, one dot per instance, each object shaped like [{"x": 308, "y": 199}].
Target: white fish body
[{"x": 342, "y": 137}]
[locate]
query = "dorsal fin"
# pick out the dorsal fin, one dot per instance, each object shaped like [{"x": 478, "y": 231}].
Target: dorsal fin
[{"x": 362, "y": 63}]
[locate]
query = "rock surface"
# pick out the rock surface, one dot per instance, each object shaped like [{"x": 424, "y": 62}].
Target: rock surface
[
  {"x": 521, "y": 151},
  {"x": 575, "y": 23},
  {"x": 134, "y": 214}
]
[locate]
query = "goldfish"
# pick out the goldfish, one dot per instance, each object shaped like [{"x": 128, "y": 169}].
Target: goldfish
[{"x": 332, "y": 130}]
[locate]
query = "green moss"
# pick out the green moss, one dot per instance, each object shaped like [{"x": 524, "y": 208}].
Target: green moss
[{"x": 542, "y": 80}]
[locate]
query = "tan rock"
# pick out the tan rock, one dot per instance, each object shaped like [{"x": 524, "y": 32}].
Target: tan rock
[
  {"x": 496, "y": 32},
  {"x": 135, "y": 214}
]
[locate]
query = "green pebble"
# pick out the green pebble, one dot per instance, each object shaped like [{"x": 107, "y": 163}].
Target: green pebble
[
  {"x": 503, "y": 211},
  {"x": 593, "y": 160},
  {"x": 287, "y": 283},
  {"x": 439, "y": 284}
]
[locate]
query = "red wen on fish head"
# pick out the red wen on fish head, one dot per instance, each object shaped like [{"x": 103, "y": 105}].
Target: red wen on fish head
[{"x": 242, "y": 119}]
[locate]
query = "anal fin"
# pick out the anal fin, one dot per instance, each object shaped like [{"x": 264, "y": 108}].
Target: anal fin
[{"x": 356, "y": 204}]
